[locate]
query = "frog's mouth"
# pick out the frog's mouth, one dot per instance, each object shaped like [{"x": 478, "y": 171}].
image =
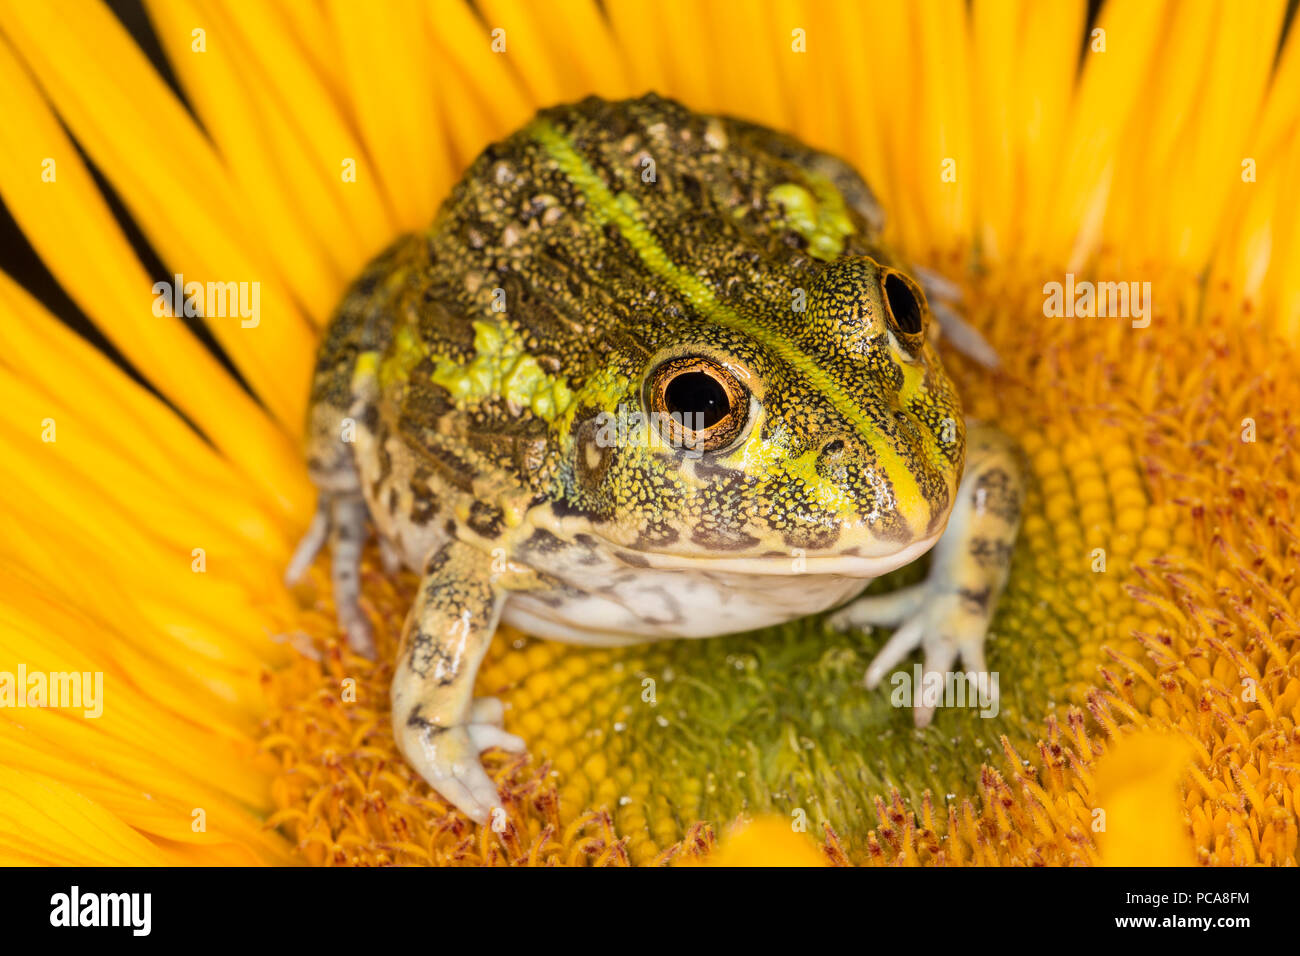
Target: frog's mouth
[
  {"x": 848, "y": 562},
  {"x": 845, "y": 563}
]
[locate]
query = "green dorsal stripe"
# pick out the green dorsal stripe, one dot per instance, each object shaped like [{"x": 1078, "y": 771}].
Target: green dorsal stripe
[{"x": 625, "y": 214}]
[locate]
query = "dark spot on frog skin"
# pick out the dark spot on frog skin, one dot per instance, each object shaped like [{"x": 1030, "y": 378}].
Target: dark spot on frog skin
[
  {"x": 542, "y": 542},
  {"x": 384, "y": 459},
  {"x": 424, "y": 501},
  {"x": 691, "y": 188},
  {"x": 565, "y": 508},
  {"x": 812, "y": 537},
  {"x": 976, "y": 601},
  {"x": 634, "y": 559},
  {"x": 722, "y": 539},
  {"x": 673, "y": 610},
  {"x": 530, "y": 454},
  {"x": 426, "y": 653},
  {"x": 423, "y": 723},
  {"x": 423, "y": 509},
  {"x": 553, "y": 598},
  {"x": 990, "y": 552},
  {"x": 454, "y": 470},
  {"x": 658, "y": 534},
  {"x": 1001, "y": 496},
  {"x": 436, "y": 562},
  {"x": 936, "y": 493},
  {"x": 592, "y": 461},
  {"x": 709, "y": 471},
  {"x": 485, "y": 520}
]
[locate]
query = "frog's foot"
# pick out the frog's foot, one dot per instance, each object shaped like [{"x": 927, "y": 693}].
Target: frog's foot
[
  {"x": 945, "y": 623},
  {"x": 342, "y": 521},
  {"x": 447, "y": 757},
  {"x": 948, "y": 616}
]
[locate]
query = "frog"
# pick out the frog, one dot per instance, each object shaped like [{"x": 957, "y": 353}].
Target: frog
[{"x": 650, "y": 374}]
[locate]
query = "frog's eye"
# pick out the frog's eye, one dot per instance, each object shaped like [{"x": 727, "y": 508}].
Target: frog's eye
[
  {"x": 698, "y": 404},
  {"x": 903, "y": 303}
]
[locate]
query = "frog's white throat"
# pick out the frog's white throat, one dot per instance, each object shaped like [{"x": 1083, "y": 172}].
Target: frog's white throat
[{"x": 668, "y": 596}]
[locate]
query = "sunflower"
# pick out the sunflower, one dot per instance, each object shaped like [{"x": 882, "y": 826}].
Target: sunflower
[{"x": 1147, "y": 643}]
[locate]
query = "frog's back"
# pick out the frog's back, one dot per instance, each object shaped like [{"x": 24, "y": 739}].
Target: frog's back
[{"x": 533, "y": 241}]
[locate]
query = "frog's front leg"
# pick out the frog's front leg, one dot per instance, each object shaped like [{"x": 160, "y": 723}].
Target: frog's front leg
[
  {"x": 948, "y": 615},
  {"x": 437, "y": 724}
]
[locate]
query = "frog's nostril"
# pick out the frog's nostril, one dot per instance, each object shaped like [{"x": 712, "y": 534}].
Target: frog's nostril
[{"x": 831, "y": 460}]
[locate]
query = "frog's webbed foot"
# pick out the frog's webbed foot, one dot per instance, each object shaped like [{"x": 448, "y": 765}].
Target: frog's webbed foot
[
  {"x": 945, "y": 622},
  {"x": 948, "y": 615},
  {"x": 438, "y": 725},
  {"x": 340, "y": 519}
]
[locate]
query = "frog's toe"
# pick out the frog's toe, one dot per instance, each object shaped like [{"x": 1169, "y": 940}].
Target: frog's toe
[
  {"x": 470, "y": 790},
  {"x": 487, "y": 736},
  {"x": 342, "y": 520},
  {"x": 963, "y": 336},
  {"x": 448, "y": 759},
  {"x": 945, "y": 631},
  {"x": 936, "y": 285},
  {"x": 903, "y": 641},
  {"x": 487, "y": 710},
  {"x": 945, "y": 298},
  {"x": 310, "y": 545},
  {"x": 880, "y": 610},
  {"x": 941, "y": 655},
  {"x": 361, "y": 636}
]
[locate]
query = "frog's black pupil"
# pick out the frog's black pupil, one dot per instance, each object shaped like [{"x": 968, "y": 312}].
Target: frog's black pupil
[
  {"x": 698, "y": 395},
  {"x": 907, "y": 312}
]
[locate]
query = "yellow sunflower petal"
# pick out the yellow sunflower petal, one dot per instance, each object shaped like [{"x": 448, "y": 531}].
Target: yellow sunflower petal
[
  {"x": 391, "y": 78},
  {"x": 766, "y": 842},
  {"x": 260, "y": 151},
  {"x": 68, "y": 222},
  {"x": 1141, "y": 817},
  {"x": 114, "y": 104}
]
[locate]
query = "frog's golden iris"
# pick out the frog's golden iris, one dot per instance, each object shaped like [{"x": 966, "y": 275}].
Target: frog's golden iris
[{"x": 703, "y": 405}]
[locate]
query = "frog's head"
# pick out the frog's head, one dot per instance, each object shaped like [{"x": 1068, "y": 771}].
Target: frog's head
[{"x": 778, "y": 439}]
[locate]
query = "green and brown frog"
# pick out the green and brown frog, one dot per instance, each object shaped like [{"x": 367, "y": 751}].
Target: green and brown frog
[{"x": 650, "y": 374}]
